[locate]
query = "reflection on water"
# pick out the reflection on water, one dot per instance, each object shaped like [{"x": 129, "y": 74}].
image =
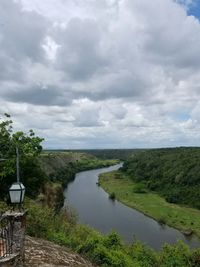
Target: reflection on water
[{"x": 94, "y": 208}]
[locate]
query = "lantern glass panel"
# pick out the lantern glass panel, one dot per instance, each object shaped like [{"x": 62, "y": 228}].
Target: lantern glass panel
[{"x": 17, "y": 191}]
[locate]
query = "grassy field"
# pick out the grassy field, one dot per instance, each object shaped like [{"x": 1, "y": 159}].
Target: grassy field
[{"x": 183, "y": 218}]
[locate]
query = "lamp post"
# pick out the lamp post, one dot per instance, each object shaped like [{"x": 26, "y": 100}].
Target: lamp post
[{"x": 17, "y": 189}]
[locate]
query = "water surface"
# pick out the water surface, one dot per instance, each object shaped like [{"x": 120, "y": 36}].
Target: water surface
[{"x": 95, "y": 209}]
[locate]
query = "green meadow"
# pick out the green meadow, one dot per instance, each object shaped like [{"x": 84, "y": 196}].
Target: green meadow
[{"x": 151, "y": 204}]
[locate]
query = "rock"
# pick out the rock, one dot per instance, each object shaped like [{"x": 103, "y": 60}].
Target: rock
[{"x": 39, "y": 252}]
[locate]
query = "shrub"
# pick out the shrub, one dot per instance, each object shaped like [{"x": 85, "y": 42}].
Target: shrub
[
  {"x": 143, "y": 255},
  {"x": 139, "y": 189},
  {"x": 162, "y": 220},
  {"x": 39, "y": 220},
  {"x": 195, "y": 258},
  {"x": 113, "y": 240},
  {"x": 118, "y": 175},
  {"x": 175, "y": 256},
  {"x": 112, "y": 196}
]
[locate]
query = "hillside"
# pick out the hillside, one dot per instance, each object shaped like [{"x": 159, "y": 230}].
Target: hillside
[
  {"x": 174, "y": 173},
  {"x": 52, "y": 161},
  {"x": 62, "y": 166},
  {"x": 121, "y": 154}
]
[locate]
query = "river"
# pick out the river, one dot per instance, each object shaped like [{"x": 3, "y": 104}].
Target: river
[{"x": 94, "y": 208}]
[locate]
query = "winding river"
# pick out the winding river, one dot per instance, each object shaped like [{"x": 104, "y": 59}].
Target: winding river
[{"x": 95, "y": 209}]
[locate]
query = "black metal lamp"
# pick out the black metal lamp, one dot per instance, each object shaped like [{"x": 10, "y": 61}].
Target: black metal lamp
[{"x": 17, "y": 189}]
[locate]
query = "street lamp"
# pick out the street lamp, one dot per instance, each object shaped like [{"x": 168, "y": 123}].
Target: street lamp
[{"x": 17, "y": 189}]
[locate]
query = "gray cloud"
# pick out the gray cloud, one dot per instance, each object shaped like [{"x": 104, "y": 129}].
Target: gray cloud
[
  {"x": 37, "y": 95},
  {"x": 80, "y": 55},
  {"x": 101, "y": 73},
  {"x": 21, "y": 32}
]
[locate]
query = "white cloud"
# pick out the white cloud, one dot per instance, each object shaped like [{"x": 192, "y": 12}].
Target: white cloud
[{"x": 110, "y": 73}]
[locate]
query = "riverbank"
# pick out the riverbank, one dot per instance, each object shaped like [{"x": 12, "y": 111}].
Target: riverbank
[
  {"x": 104, "y": 250},
  {"x": 185, "y": 219},
  {"x": 61, "y": 168}
]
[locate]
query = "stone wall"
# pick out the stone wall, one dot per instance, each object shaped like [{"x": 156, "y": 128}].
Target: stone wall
[
  {"x": 14, "y": 260},
  {"x": 18, "y": 223}
]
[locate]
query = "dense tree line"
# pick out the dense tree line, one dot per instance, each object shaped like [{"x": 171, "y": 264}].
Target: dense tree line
[
  {"x": 121, "y": 154},
  {"x": 173, "y": 172}
]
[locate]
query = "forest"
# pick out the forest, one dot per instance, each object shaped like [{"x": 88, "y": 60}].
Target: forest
[
  {"x": 120, "y": 154},
  {"x": 172, "y": 172}
]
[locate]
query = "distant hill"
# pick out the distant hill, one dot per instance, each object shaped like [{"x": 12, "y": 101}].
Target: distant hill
[
  {"x": 120, "y": 154},
  {"x": 61, "y": 166}
]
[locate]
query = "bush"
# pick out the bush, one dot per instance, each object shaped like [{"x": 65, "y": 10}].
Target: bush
[
  {"x": 162, "y": 220},
  {"x": 140, "y": 189},
  {"x": 143, "y": 255},
  {"x": 195, "y": 258},
  {"x": 112, "y": 196},
  {"x": 113, "y": 240},
  {"x": 39, "y": 220},
  {"x": 175, "y": 256}
]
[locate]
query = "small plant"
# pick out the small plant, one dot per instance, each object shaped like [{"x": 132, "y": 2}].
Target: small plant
[
  {"x": 118, "y": 176},
  {"x": 140, "y": 189},
  {"x": 162, "y": 220},
  {"x": 112, "y": 196}
]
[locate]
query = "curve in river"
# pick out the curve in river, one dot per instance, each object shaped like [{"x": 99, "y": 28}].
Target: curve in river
[{"x": 95, "y": 209}]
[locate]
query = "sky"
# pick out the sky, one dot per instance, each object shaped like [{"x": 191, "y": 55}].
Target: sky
[{"x": 102, "y": 73}]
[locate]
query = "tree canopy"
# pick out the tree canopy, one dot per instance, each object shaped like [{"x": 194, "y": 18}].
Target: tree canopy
[
  {"x": 29, "y": 146},
  {"x": 173, "y": 172}
]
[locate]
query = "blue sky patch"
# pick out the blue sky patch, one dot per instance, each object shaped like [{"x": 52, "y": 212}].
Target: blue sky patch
[
  {"x": 195, "y": 9},
  {"x": 180, "y": 116}
]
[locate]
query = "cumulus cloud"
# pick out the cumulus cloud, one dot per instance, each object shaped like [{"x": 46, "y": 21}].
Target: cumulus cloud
[{"x": 111, "y": 73}]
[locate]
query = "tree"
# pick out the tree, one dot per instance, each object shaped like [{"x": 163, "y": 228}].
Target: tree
[{"x": 29, "y": 147}]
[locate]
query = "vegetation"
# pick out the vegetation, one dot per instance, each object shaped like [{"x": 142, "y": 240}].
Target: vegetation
[
  {"x": 43, "y": 173},
  {"x": 104, "y": 250},
  {"x": 29, "y": 146},
  {"x": 112, "y": 196},
  {"x": 62, "y": 166},
  {"x": 150, "y": 203},
  {"x": 174, "y": 173},
  {"x": 120, "y": 154}
]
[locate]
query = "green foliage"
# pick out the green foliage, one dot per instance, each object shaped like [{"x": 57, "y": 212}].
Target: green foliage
[
  {"x": 113, "y": 240},
  {"x": 104, "y": 250},
  {"x": 120, "y": 154},
  {"x": 152, "y": 204},
  {"x": 143, "y": 255},
  {"x": 173, "y": 172},
  {"x": 162, "y": 220},
  {"x": 112, "y": 196},
  {"x": 195, "y": 258},
  {"x": 175, "y": 256},
  {"x": 140, "y": 189},
  {"x": 29, "y": 147},
  {"x": 62, "y": 166}
]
